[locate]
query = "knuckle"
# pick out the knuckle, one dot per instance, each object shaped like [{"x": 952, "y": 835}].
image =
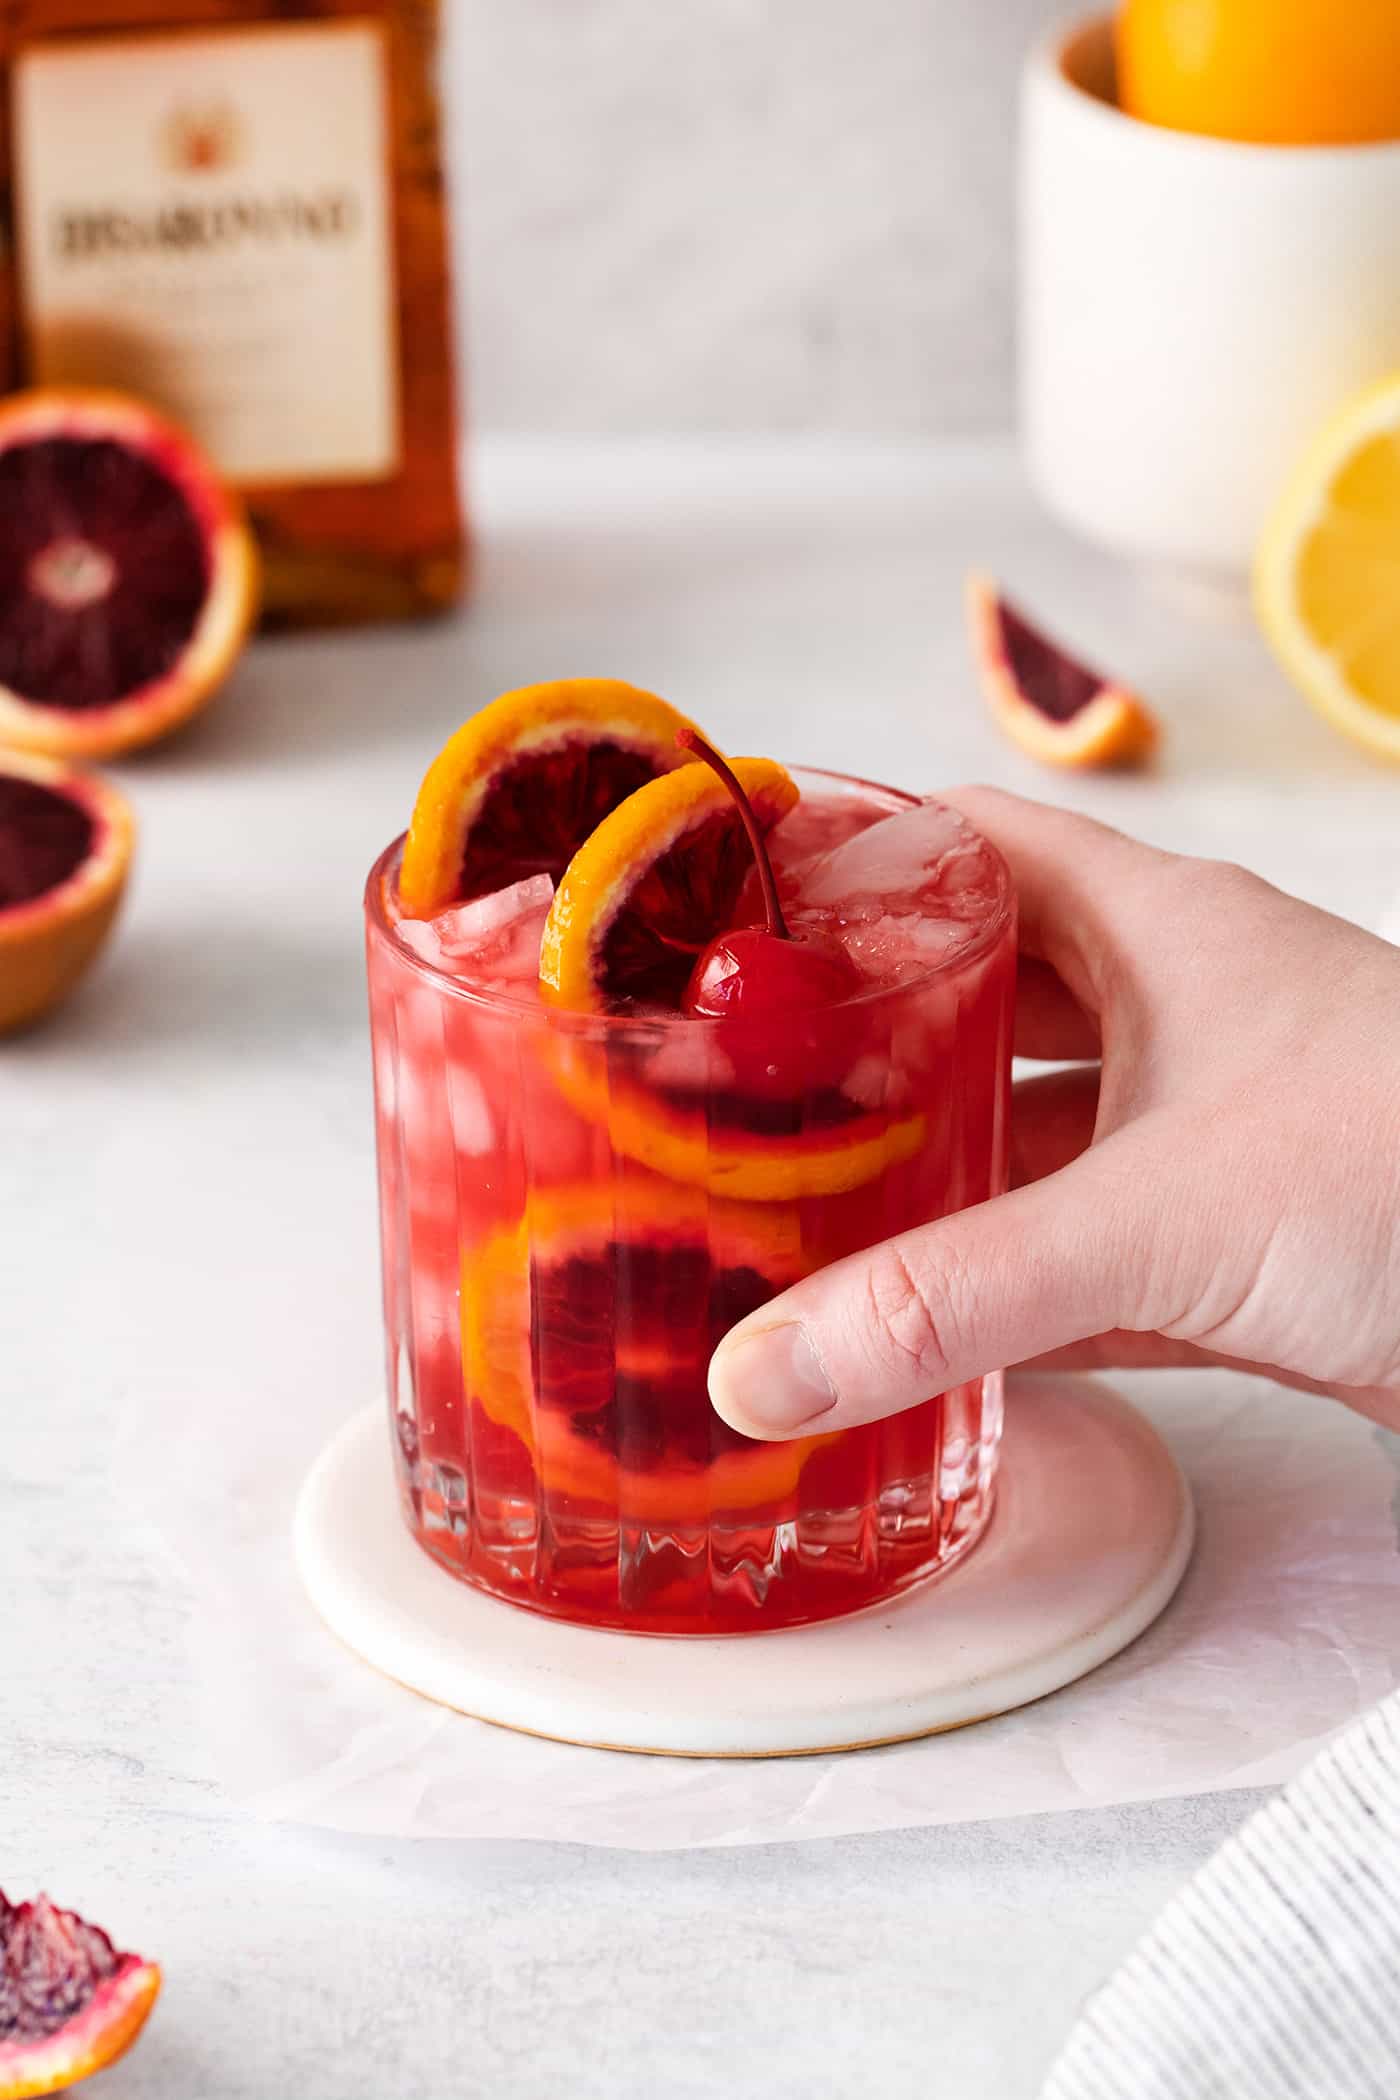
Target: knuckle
[{"x": 910, "y": 1312}]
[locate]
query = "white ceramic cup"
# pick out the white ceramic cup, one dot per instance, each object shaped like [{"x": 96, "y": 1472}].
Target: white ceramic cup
[{"x": 1191, "y": 310}]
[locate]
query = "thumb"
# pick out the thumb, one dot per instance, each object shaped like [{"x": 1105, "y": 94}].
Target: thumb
[{"x": 1051, "y": 1264}]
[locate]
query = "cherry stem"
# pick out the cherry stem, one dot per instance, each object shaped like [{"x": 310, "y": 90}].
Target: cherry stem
[{"x": 691, "y": 740}]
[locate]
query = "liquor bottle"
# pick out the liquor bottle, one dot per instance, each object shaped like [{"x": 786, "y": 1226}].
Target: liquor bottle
[{"x": 235, "y": 209}]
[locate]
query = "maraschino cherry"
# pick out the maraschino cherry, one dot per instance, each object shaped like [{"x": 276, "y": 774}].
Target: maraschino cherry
[{"x": 766, "y": 978}]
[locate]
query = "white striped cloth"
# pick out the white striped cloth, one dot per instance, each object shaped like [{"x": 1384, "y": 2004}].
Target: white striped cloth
[{"x": 1276, "y": 1971}]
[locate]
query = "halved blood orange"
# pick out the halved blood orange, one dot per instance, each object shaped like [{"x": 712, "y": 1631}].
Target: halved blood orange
[
  {"x": 1049, "y": 703},
  {"x": 128, "y": 575},
  {"x": 65, "y": 848},
  {"x": 521, "y": 785},
  {"x": 587, "y": 1330},
  {"x": 70, "y": 2002},
  {"x": 653, "y": 885}
]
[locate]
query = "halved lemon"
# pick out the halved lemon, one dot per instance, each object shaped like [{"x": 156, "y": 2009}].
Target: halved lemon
[
  {"x": 1047, "y": 701},
  {"x": 587, "y": 1329},
  {"x": 521, "y": 785},
  {"x": 128, "y": 574},
  {"x": 1327, "y": 572}
]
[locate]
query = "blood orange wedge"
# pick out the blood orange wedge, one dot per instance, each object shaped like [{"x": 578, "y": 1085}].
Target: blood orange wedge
[
  {"x": 521, "y": 785},
  {"x": 128, "y": 576},
  {"x": 1048, "y": 702},
  {"x": 587, "y": 1330},
  {"x": 70, "y": 2003},
  {"x": 640, "y": 902},
  {"x": 65, "y": 848}
]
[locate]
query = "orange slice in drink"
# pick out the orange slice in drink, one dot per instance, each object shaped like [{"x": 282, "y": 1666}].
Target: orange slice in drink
[
  {"x": 638, "y": 904},
  {"x": 1049, "y": 703},
  {"x": 742, "y": 1150},
  {"x": 521, "y": 785},
  {"x": 587, "y": 1330}
]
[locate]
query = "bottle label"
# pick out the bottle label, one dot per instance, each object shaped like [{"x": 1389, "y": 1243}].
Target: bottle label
[{"x": 204, "y": 220}]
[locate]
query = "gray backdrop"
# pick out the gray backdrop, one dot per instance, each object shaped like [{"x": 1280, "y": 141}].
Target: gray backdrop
[{"x": 737, "y": 214}]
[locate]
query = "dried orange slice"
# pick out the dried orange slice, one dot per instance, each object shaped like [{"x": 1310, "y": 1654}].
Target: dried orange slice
[
  {"x": 653, "y": 885},
  {"x": 128, "y": 575},
  {"x": 587, "y": 1330},
  {"x": 65, "y": 848},
  {"x": 521, "y": 785},
  {"x": 70, "y": 2002},
  {"x": 1049, "y": 703}
]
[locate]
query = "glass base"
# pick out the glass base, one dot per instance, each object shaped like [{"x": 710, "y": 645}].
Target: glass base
[{"x": 751, "y": 1573}]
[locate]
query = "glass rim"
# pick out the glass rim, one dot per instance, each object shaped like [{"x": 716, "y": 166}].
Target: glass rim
[{"x": 648, "y": 1028}]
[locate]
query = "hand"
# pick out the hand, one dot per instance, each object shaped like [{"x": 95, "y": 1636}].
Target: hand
[{"x": 1223, "y": 1187}]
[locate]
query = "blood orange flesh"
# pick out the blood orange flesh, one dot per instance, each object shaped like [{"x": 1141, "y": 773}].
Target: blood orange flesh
[
  {"x": 1057, "y": 684},
  {"x": 673, "y": 912},
  {"x": 650, "y": 887},
  {"x": 588, "y": 1331},
  {"x": 65, "y": 847},
  {"x": 70, "y": 2002},
  {"x": 45, "y": 836},
  {"x": 541, "y": 808},
  {"x": 128, "y": 576},
  {"x": 104, "y": 571},
  {"x": 518, "y": 788}
]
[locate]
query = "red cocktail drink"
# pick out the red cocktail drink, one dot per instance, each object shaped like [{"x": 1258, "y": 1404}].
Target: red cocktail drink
[{"x": 576, "y": 1206}]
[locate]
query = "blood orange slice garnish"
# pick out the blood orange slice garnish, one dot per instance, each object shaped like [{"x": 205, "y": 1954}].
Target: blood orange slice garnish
[
  {"x": 587, "y": 1330},
  {"x": 645, "y": 895},
  {"x": 65, "y": 848},
  {"x": 1047, "y": 701},
  {"x": 520, "y": 786},
  {"x": 128, "y": 576},
  {"x": 70, "y": 2002},
  {"x": 639, "y": 904}
]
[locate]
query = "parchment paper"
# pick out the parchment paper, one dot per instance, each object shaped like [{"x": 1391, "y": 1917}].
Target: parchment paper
[{"x": 1287, "y": 1626}]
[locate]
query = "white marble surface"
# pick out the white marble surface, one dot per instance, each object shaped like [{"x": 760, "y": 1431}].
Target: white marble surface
[
  {"x": 749, "y": 214},
  {"x": 188, "y": 1206}
]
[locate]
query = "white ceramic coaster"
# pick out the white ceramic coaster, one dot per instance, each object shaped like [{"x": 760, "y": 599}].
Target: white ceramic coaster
[{"x": 1091, "y": 1535}]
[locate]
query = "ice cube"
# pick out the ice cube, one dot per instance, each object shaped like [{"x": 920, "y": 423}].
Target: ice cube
[
  {"x": 900, "y": 860},
  {"x": 421, "y": 937},
  {"x": 889, "y": 947},
  {"x": 906, "y": 895},
  {"x": 817, "y": 825},
  {"x": 466, "y": 929},
  {"x": 689, "y": 1060},
  {"x": 496, "y": 936}
]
